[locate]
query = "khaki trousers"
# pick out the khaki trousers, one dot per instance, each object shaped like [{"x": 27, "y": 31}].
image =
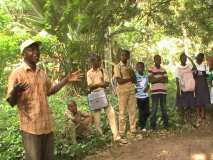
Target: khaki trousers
[
  {"x": 127, "y": 100},
  {"x": 111, "y": 119}
]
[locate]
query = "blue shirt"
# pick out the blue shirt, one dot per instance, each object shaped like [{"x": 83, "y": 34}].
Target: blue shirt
[{"x": 142, "y": 83}]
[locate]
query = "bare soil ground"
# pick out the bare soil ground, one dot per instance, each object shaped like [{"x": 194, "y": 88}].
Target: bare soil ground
[{"x": 193, "y": 144}]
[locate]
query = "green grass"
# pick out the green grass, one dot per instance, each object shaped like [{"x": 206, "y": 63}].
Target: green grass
[{"x": 11, "y": 147}]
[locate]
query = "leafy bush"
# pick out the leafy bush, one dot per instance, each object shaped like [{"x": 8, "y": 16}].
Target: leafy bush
[
  {"x": 11, "y": 147},
  {"x": 10, "y": 138}
]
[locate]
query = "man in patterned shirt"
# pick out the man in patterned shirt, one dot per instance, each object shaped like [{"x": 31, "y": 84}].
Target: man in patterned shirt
[{"x": 28, "y": 88}]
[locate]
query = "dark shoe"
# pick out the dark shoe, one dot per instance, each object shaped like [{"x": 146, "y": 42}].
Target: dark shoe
[
  {"x": 153, "y": 127},
  {"x": 166, "y": 127}
]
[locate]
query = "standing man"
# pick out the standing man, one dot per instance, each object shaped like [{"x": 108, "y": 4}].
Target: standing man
[
  {"x": 126, "y": 93},
  {"x": 97, "y": 79},
  {"x": 158, "y": 78},
  {"x": 28, "y": 88}
]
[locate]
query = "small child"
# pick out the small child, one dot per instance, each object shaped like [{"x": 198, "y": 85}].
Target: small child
[
  {"x": 142, "y": 95},
  {"x": 81, "y": 120}
]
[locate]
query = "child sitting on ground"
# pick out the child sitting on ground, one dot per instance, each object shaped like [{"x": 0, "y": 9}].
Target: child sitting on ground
[{"x": 81, "y": 120}]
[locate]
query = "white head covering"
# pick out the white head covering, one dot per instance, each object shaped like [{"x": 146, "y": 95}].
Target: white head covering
[{"x": 28, "y": 43}]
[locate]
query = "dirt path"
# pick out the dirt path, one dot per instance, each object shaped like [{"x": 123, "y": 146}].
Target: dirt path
[{"x": 194, "y": 145}]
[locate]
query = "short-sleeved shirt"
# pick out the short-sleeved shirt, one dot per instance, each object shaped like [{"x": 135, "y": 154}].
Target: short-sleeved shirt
[
  {"x": 34, "y": 113},
  {"x": 158, "y": 88},
  {"x": 142, "y": 84},
  {"x": 123, "y": 71},
  {"x": 202, "y": 69},
  {"x": 98, "y": 76}
]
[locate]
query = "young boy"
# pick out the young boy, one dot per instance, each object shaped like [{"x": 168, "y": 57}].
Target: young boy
[
  {"x": 97, "y": 79},
  {"x": 81, "y": 120},
  {"x": 142, "y": 95},
  {"x": 158, "y": 78},
  {"x": 126, "y": 93}
]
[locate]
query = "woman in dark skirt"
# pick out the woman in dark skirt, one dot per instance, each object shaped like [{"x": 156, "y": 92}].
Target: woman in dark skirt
[
  {"x": 185, "y": 100},
  {"x": 202, "y": 95}
]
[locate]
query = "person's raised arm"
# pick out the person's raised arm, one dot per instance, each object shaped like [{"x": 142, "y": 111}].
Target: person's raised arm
[
  {"x": 71, "y": 77},
  {"x": 192, "y": 62}
]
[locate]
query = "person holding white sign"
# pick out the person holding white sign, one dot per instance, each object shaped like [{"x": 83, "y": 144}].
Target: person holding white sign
[{"x": 97, "y": 81}]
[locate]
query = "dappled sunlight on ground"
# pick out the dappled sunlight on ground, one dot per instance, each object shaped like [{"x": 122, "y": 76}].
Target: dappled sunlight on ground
[
  {"x": 199, "y": 156},
  {"x": 168, "y": 148},
  {"x": 202, "y": 156}
]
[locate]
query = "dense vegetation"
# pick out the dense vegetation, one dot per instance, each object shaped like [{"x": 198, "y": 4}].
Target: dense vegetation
[{"x": 71, "y": 30}]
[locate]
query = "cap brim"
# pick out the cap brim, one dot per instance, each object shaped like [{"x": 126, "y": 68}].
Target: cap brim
[
  {"x": 29, "y": 45},
  {"x": 36, "y": 42}
]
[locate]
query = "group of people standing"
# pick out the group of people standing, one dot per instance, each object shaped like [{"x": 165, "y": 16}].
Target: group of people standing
[
  {"x": 132, "y": 89},
  {"x": 135, "y": 88},
  {"x": 29, "y": 88},
  {"x": 192, "y": 87}
]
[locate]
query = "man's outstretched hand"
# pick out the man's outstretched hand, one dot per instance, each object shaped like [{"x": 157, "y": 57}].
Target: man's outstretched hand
[{"x": 74, "y": 76}]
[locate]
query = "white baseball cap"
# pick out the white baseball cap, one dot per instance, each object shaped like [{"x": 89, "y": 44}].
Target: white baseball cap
[{"x": 28, "y": 43}]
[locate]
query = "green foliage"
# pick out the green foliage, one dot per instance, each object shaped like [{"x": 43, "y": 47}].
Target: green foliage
[
  {"x": 74, "y": 23},
  {"x": 9, "y": 52},
  {"x": 11, "y": 146},
  {"x": 4, "y": 20},
  {"x": 78, "y": 27},
  {"x": 10, "y": 139},
  {"x": 81, "y": 27}
]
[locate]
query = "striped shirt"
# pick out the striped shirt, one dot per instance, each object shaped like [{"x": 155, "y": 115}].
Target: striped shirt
[
  {"x": 158, "y": 88},
  {"x": 142, "y": 84}
]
